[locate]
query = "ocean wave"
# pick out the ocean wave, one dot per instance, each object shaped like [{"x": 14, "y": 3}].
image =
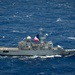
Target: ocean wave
[
  {"x": 41, "y": 57},
  {"x": 72, "y": 38},
  {"x": 33, "y": 57},
  {"x": 16, "y": 31},
  {"x": 3, "y": 37},
  {"x": 59, "y": 20},
  {"x": 29, "y": 15},
  {"x": 41, "y": 73},
  {"x": 2, "y": 57},
  {"x": 30, "y": 57}
]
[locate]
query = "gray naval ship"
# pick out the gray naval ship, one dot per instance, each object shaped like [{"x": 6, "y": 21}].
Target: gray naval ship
[{"x": 39, "y": 47}]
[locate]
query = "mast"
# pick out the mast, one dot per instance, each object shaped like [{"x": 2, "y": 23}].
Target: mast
[{"x": 42, "y": 37}]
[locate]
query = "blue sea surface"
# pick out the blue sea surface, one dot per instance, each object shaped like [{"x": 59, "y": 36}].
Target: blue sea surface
[{"x": 20, "y": 18}]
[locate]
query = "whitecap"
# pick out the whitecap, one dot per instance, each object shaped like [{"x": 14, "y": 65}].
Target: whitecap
[
  {"x": 72, "y": 38},
  {"x": 15, "y": 31},
  {"x": 29, "y": 15},
  {"x": 3, "y": 37},
  {"x": 58, "y": 20}
]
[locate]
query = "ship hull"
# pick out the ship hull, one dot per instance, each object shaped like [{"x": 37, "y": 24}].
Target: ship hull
[{"x": 17, "y": 52}]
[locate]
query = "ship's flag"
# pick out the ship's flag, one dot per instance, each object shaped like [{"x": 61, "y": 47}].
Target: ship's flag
[{"x": 36, "y": 38}]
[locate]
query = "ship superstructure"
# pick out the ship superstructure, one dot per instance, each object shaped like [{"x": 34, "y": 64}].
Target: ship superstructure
[{"x": 38, "y": 44}]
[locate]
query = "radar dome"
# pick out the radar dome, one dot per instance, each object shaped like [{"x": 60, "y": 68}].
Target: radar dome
[{"x": 29, "y": 37}]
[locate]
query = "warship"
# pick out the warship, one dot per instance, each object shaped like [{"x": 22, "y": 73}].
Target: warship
[{"x": 39, "y": 47}]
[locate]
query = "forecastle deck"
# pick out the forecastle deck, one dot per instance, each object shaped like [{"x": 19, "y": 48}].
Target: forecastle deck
[{"x": 9, "y": 48}]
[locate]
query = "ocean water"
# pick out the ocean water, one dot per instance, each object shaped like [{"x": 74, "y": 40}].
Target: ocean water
[{"x": 20, "y": 18}]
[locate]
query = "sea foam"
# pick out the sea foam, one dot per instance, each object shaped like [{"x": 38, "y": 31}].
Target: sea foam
[{"x": 72, "y": 38}]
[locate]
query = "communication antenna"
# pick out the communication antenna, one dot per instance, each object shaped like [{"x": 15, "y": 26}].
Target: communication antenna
[{"x": 41, "y": 29}]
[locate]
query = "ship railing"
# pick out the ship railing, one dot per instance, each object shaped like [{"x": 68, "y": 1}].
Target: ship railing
[{"x": 70, "y": 49}]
